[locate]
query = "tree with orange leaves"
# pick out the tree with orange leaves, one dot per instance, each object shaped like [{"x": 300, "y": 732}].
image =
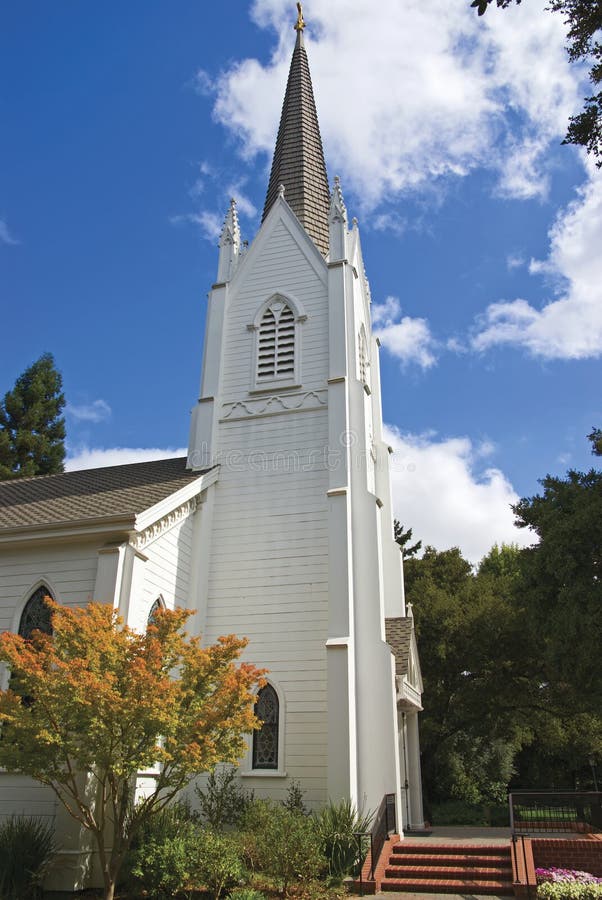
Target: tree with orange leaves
[{"x": 104, "y": 703}]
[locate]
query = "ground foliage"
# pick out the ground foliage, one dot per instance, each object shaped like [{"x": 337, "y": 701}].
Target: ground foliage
[
  {"x": 584, "y": 21},
  {"x": 281, "y": 843}
]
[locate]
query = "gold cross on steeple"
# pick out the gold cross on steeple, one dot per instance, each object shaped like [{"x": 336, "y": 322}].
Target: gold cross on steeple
[{"x": 300, "y": 24}]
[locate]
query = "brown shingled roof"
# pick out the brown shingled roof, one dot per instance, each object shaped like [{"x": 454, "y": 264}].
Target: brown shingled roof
[
  {"x": 398, "y": 634},
  {"x": 91, "y": 493},
  {"x": 298, "y": 161}
]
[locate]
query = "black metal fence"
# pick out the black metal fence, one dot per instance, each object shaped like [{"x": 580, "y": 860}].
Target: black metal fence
[{"x": 532, "y": 812}]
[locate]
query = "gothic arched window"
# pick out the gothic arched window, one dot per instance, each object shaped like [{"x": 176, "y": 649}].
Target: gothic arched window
[
  {"x": 265, "y": 741},
  {"x": 36, "y": 614},
  {"x": 276, "y": 342},
  {"x": 157, "y": 605}
]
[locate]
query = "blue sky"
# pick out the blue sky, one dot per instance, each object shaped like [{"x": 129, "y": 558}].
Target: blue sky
[{"x": 127, "y": 127}]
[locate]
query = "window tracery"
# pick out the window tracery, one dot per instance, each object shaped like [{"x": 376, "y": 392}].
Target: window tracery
[
  {"x": 157, "y": 605},
  {"x": 265, "y": 740},
  {"x": 36, "y": 614}
]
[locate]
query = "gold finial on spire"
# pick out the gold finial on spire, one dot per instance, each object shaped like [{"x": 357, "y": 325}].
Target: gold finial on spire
[{"x": 300, "y": 24}]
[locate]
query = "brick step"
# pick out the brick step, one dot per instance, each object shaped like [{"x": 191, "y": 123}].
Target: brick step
[
  {"x": 448, "y": 859},
  {"x": 497, "y": 873},
  {"x": 459, "y": 849},
  {"x": 447, "y": 886}
]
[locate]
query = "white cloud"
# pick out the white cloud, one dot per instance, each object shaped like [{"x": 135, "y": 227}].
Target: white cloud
[
  {"x": 441, "y": 491},
  {"x": 390, "y": 222},
  {"x": 95, "y": 458},
  {"x": 410, "y": 340},
  {"x": 5, "y": 235},
  {"x": 210, "y": 223},
  {"x": 97, "y": 411},
  {"x": 515, "y": 261},
  {"x": 569, "y": 327},
  {"x": 414, "y": 91}
]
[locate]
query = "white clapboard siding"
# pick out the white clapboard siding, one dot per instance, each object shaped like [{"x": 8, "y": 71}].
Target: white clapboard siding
[
  {"x": 68, "y": 570},
  {"x": 21, "y": 796}
]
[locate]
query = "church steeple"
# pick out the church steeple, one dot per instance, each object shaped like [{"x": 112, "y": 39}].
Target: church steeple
[{"x": 298, "y": 161}]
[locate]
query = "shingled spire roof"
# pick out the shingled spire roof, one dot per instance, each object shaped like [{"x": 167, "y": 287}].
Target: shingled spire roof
[{"x": 298, "y": 162}]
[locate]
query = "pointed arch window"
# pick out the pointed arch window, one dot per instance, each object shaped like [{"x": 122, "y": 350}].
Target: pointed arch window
[
  {"x": 157, "y": 605},
  {"x": 36, "y": 614},
  {"x": 265, "y": 740}
]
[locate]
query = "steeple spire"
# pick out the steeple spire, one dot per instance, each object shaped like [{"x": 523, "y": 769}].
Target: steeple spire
[{"x": 298, "y": 161}]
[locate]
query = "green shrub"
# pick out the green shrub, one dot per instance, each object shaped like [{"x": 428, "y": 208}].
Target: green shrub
[
  {"x": 569, "y": 891},
  {"x": 336, "y": 827},
  {"x": 216, "y": 862},
  {"x": 163, "y": 867},
  {"x": 223, "y": 802},
  {"x": 160, "y": 860},
  {"x": 26, "y": 851},
  {"x": 281, "y": 843},
  {"x": 244, "y": 893},
  {"x": 294, "y": 799}
]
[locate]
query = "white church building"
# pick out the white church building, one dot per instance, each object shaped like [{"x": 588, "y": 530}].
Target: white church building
[{"x": 278, "y": 526}]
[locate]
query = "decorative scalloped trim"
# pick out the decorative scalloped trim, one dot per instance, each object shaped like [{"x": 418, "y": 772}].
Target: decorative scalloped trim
[{"x": 277, "y": 403}]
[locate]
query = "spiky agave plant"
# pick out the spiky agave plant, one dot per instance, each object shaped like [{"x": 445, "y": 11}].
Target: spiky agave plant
[
  {"x": 338, "y": 825},
  {"x": 26, "y": 852}
]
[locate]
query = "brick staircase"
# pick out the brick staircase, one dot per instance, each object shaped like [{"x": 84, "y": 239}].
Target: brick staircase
[{"x": 448, "y": 868}]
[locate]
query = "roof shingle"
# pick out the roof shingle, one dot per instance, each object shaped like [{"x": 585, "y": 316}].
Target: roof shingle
[
  {"x": 113, "y": 491},
  {"x": 398, "y": 634}
]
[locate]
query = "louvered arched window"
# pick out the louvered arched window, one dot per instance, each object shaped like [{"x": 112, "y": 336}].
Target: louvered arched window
[
  {"x": 36, "y": 614},
  {"x": 265, "y": 741},
  {"x": 276, "y": 343}
]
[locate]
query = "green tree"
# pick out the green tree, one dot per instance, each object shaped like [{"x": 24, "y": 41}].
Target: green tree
[
  {"x": 108, "y": 703},
  {"x": 560, "y": 589},
  {"x": 561, "y": 581},
  {"x": 403, "y": 537},
  {"x": 469, "y": 637},
  {"x": 584, "y": 19},
  {"x": 32, "y": 430}
]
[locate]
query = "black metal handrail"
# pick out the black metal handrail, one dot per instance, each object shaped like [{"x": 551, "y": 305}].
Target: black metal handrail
[
  {"x": 385, "y": 823},
  {"x": 555, "y": 811},
  {"x": 515, "y": 839}
]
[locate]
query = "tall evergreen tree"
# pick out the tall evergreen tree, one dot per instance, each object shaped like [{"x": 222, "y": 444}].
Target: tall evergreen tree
[{"x": 32, "y": 430}]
